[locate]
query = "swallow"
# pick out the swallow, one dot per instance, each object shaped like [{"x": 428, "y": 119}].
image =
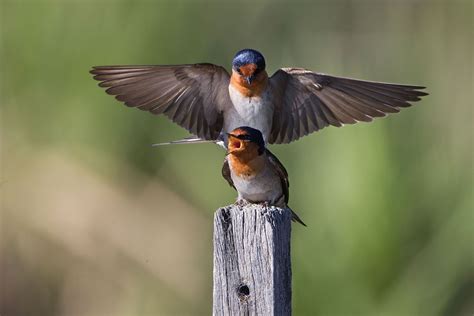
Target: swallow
[
  {"x": 256, "y": 173},
  {"x": 208, "y": 101}
]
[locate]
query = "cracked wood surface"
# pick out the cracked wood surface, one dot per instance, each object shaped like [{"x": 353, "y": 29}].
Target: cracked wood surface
[{"x": 252, "y": 267}]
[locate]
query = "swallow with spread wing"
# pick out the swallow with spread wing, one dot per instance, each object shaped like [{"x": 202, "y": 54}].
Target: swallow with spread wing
[
  {"x": 293, "y": 102},
  {"x": 256, "y": 174}
]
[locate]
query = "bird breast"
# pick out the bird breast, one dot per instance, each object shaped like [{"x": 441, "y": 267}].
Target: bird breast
[
  {"x": 258, "y": 186},
  {"x": 255, "y": 112}
]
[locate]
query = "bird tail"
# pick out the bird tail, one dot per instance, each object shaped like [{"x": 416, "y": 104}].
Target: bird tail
[
  {"x": 296, "y": 218},
  {"x": 187, "y": 140},
  {"x": 220, "y": 141}
]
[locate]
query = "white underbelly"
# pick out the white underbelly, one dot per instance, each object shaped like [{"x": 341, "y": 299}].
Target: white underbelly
[
  {"x": 255, "y": 112},
  {"x": 265, "y": 186}
]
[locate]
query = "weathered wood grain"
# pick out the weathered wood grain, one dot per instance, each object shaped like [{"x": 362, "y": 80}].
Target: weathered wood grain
[{"x": 252, "y": 267}]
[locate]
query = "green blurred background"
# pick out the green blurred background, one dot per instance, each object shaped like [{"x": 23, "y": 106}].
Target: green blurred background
[{"x": 96, "y": 222}]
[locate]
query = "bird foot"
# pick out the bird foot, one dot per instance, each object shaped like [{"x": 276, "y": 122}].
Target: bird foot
[
  {"x": 265, "y": 204},
  {"x": 241, "y": 202}
]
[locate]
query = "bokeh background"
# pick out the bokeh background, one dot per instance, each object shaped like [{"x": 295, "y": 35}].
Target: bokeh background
[{"x": 96, "y": 222}]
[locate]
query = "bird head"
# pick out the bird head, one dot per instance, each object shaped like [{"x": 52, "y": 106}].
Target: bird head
[
  {"x": 249, "y": 65},
  {"x": 245, "y": 142}
]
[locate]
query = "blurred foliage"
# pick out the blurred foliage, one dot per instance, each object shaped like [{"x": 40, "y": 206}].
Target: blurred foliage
[{"x": 96, "y": 222}]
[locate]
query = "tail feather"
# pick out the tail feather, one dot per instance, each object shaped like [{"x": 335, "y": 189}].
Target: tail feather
[
  {"x": 187, "y": 140},
  {"x": 296, "y": 218}
]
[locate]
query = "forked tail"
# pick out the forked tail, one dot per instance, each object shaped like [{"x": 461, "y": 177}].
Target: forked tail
[
  {"x": 193, "y": 140},
  {"x": 187, "y": 140},
  {"x": 295, "y": 217}
]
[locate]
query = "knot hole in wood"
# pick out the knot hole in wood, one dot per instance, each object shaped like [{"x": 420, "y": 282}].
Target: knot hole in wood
[{"x": 243, "y": 292}]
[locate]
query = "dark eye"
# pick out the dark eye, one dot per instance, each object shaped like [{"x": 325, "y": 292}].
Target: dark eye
[{"x": 244, "y": 137}]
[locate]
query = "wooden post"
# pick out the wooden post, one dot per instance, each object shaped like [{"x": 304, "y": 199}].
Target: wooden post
[{"x": 252, "y": 267}]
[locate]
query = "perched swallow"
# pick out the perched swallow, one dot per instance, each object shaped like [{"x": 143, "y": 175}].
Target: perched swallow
[
  {"x": 256, "y": 174},
  {"x": 293, "y": 102}
]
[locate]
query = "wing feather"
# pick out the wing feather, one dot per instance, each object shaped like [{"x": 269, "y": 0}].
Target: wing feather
[
  {"x": 306, "y": 101},
  {"x": 281, "y": 172},
  {"x": 194, "y": 96},
  {"x": 226, "y": 173}
]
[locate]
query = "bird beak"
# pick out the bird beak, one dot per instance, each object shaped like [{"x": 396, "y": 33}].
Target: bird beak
[
  {"x": 249, "y": 79},
  {"x": 235, "y": 145}
]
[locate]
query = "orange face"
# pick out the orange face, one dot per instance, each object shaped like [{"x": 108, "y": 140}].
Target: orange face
[
  {"x": 235, "y": 144},
  {"x": 244, "y": 152},
  {"x": 257, "y": 85},
  {"x": 244, "y": 157},
  {"x": 248, "y": 70},
  {"x": 242, "y": 148}
]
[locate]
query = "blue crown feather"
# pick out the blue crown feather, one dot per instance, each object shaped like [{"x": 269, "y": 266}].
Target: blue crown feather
[{"x": 248, "y": 56}]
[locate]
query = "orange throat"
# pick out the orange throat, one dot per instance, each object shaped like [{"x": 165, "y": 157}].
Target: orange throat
[
  {"x": 254, "y": 89},
  {"x": 245, "y": 165}
]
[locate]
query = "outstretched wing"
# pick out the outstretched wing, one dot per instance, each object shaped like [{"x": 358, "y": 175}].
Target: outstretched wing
[
  {"x": 192, "y": 96},
  {"x": 306, "y": 101}
]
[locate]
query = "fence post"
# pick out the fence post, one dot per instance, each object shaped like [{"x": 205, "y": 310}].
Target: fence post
[{"x": 252, "y": 266}]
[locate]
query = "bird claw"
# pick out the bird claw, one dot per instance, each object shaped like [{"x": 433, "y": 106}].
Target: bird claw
[
  {"x": 241, "y": 202},
  {"x": 265, "y": 204}
]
